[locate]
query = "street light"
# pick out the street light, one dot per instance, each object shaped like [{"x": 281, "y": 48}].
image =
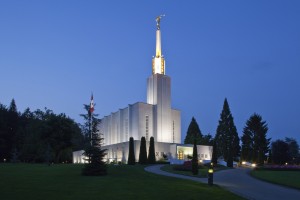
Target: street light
[{"x": 210, "y": 176}]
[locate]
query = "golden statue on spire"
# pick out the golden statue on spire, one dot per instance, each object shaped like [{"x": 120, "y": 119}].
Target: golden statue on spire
[{"x": 158, "y": 21}]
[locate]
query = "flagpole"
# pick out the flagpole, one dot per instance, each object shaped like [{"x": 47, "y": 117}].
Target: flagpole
[
  {"x": 90, "y": 128},
  {"x": 91, "y": 110}
]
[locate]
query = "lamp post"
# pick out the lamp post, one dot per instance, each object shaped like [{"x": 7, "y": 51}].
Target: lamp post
[{"x": 211, "y": 175}]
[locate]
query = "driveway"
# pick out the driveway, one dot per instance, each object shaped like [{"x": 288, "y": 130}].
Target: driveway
[{"x": 241, "y": 183}]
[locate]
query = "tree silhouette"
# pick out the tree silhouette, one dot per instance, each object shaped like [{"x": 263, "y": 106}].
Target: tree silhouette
[
  {"x": 193, "y": 133},
  {"x": 227, "y": 139},
  {"x": 255, "y": 144},
  {"x": 143, "y": 152},
  {"x": 151, "y": 155},
  {"x": 195, "y": 159},
  {"x": 131, "y": 156},
  {"x": 95, "y": 165}
]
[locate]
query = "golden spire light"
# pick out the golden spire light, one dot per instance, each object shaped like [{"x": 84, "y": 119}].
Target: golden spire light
[{"x": 158, "y": 62}]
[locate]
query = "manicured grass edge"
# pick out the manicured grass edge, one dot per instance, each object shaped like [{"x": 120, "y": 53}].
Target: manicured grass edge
[
  {"x": 275, "y": 183},
  {"x": 163, "y": 168},
  {"x": 203, "y": 171}
]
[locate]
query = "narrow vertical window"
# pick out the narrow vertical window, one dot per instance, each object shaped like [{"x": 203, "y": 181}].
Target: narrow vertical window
[
  {"x": 173, "y": 131},
  {"x": 126, "y": 130},
  {"x": 147, "y": 128}
]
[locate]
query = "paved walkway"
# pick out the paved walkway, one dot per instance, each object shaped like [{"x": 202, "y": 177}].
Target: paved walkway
[{"x": 241, "y": 183}]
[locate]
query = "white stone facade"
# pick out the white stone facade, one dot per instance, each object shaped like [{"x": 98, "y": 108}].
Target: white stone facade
[
  {"x": 155, "y": 119},
  {"x": 176, "y": 153},
  {"x": 141, "y": 120}
]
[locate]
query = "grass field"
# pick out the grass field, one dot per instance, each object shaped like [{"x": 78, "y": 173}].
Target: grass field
[
  {"x": 37, "y": 181},
  {"x": 286, "y": 178},
  {"x": 202, "y": 171}
]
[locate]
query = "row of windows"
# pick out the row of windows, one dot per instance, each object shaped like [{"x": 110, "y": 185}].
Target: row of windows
[{"x": 181, "y": 156}]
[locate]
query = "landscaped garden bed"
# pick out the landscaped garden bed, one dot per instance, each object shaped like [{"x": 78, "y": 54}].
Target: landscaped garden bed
[{"x": 186, "y": 169}]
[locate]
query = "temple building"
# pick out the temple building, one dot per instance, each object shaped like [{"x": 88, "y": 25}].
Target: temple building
[{"x": 156, "y": 118}]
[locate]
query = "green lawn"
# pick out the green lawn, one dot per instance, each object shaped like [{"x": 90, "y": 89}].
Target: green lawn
[
  {"x": 286, "y": 178},
  {"x": 202, "y": 171},
  {"x": 36, "y": 181}
]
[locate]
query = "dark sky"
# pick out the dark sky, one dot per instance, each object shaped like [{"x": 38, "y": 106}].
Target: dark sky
[{"x": 55, "y": 53}]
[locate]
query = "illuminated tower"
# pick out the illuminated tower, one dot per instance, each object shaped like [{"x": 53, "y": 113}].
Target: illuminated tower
[{"x": 159, "y": 94}]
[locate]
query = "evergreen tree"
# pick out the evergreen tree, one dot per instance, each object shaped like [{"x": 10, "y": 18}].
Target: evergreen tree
[
  {"x": 143, "y": 152},
  {"x": 193, "y": 133},
  {"x": 4, "y": 134},
  {"x": 255, "y": 144},
  {"x": 215, "y": 153},
  {"x": 13, "y": 107},
  {"x": 151, "y": 155},
  {"x": 207, "y": 140},
  {"x": 13, "y": 126},
  {"x": 247, "y": 144},
  {"x": 131, "y": 156},
  {"x": 227, "y": 139},
  {"x": 95, "y": 165},
  {"x": 195, "y": 159},
  {"x": 270, "y": 157}
]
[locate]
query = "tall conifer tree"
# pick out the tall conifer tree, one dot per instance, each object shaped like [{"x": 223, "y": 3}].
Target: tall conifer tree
[
  {"x": 95, "y": 165},
  {"x": 227, "y": 139},
  {"x": 247, "y": 144},
  {"x": 215, "y": 153},
  {"x": 255, "y": 144},
  {"x": 193, "y": 133}
]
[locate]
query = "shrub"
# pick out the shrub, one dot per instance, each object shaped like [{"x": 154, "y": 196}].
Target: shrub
[
  {"x": 143, "y": 152},
  {"x": 131, "y": 156},
  {"x": 151, "y": 155}
]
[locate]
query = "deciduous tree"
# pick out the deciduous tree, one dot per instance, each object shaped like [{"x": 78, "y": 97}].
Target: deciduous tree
[
  {"x": 280, "y": 152},
  {"x": 293, "y": 150}
]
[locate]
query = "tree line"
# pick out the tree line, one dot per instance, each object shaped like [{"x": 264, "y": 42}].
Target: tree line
[
  {"x": 253, "y": 146},
  {"x": 37, "y": 136},
  {"x": 285, "y": 152}
]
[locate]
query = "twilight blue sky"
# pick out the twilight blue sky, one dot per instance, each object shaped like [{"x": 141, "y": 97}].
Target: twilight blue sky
[{"x": 55, "y": 53}]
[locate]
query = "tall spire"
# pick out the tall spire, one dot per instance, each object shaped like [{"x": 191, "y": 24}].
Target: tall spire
[{"x": 158, "y": 62}]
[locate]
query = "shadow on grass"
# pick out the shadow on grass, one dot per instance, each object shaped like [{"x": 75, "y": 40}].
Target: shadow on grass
[{"x": 37, "y": 181}]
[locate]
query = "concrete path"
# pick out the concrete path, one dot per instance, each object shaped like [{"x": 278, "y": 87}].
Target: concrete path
[{"x": 241, "y": 183}]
